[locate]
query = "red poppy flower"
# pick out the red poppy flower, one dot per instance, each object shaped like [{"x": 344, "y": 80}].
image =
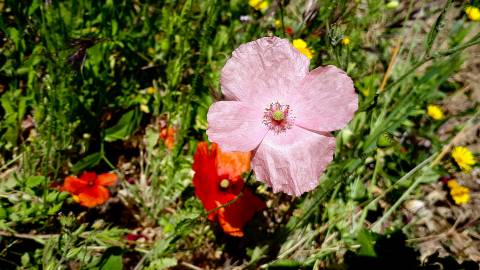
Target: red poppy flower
[
  {"x": 90, "y": 189},
  {"x": 218, "y": 180},
  {"x": 289, "y": 31},
  {"x": 168, "y": 137}
]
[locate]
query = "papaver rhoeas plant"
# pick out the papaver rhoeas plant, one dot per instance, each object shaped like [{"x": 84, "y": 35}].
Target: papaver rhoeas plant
[
  {"x": 282, "y": 111},
  {"x": 90, "y": 189},
  {"x": 218, "y": 181}
]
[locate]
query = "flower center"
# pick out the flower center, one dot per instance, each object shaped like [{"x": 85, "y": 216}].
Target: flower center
[
  {"x": 277, "y": 117},
  {"x": 91, "y": 183},
  {"x": 224, "y": 183}
]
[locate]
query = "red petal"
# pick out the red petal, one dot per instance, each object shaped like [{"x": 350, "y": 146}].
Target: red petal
[
  {"x": 106, "y": 179},
  {"x": 227, "y": 227},
  {"x": 205, "y": 178},
  {"x": 94, "y": 196},
  {"x": 88, "y": 177},
  {"x": 233, "y": 217},
  {"x": 74, "y": 185},
  {"x": 233, "y": 164}
]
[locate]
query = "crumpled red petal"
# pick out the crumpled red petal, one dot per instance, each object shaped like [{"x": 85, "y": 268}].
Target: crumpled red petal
[{"x": 233, "y": 217}]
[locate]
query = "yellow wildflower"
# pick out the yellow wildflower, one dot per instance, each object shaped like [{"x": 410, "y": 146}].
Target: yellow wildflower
[
  {"x": 460, "y": 194},
  {"x": 464, "y": 158},
  {"x": 473, "y": 13},
  {"x": 258, "y": 4},
  {"x": 302, "y": 46},
  {"x": 435, "y": 112},
  {"x": 452, "y": 183},
  {"x": 278, "y": 23},
  {"x": 151, "y": 90},
  {"x": 346, "y": 41}
]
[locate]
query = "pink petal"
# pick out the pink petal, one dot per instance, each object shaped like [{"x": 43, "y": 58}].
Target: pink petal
[
  {"x": 235, "y": 126},
  {"x": 326, "y": 100},
  {"x": 293, "y": 161},
  {"x": 262, "y": 70}
]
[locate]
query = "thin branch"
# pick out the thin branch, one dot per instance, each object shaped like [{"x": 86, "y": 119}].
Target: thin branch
[
  {"x": 190, "y": 266},
  {"x": 393, "y": 59}
]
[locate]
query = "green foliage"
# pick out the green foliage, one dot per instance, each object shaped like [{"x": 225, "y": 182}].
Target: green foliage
[
  {"x": 125, "y": 127},
  {"x": 94, "y": 86}
]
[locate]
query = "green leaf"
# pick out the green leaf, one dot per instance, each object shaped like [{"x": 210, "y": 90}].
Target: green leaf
[
  {"x": 114, "y": 27},
  {"x": 367, "y": 243},
  {"x": 163, "y": 263},
  {"x": 285, "y": 264},
  {"x": 428, "y": 175},
  {"x": 8, "y": 184},
  {"x": 257, "y": 253},
  {"x": 3, "y": 213},
  {"x": 111, "y": 259},
  {"x": 54, "y": 209},
  {"x": 14, "y": 35},
  {"x": 358, "y": 189},
  {"x": 126, "y": 126},
  {"x": 34, "y": 6},
  {"x": 34, "y": 181},
  {"x": 86, "y": 162},
  {"x": 437, "y": 27},
  {"x": 72, "y": 253},
  {"x": 152, "y": 138},
  {"x": 25, "y": 259}
]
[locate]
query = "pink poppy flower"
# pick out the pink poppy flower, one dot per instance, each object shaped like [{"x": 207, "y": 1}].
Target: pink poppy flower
[{"x": 282, "y": 111}]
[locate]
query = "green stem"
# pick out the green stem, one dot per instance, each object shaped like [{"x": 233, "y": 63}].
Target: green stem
[
  {"x": 234, "y": 199},
  {"x": 378, "y": 224},
  {"x": 280, "y": 4},
  {"x": 473, "y": 41},
  {"x": 377, "y": 167}
]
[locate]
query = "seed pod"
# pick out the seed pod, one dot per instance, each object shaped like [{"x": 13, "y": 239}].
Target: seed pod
[{"x": 385, "y": 140}]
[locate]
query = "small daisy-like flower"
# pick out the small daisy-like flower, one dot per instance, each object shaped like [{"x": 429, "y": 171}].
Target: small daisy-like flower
[
  {"x": 459, "y": 193},
  {"x": 302, "y": 46},
  {"x": 90, "y": 189},
  {"x": 282, "y": 111},
  {"x": 473, "y": 13},
  {"x": 258, "y": 4},
  {"x": 346, "y": 41},
  {"x": 435, "y": 112},
  {"x": 218, "y": 180},
  {"x": 464, "y": 158}
]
